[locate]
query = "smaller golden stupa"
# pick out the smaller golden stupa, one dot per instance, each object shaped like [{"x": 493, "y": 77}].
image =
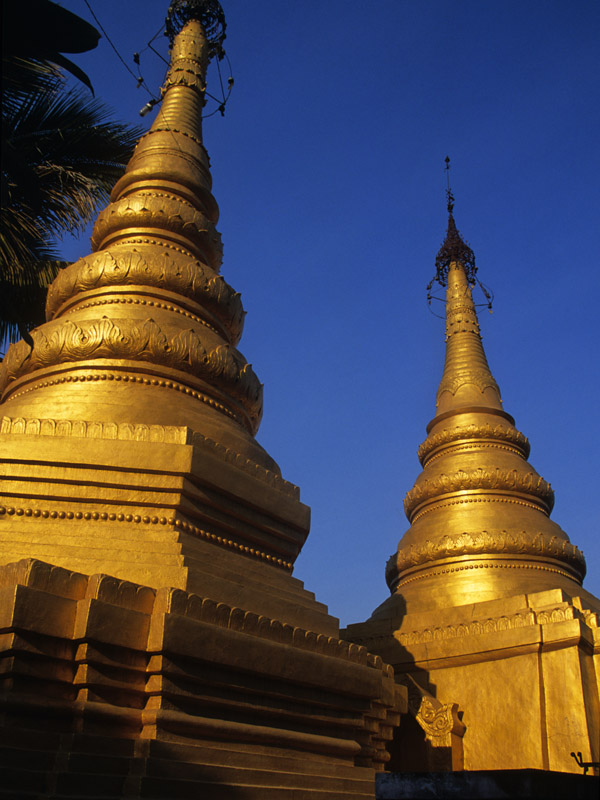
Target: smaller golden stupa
[{"x": 487, "y": 613}]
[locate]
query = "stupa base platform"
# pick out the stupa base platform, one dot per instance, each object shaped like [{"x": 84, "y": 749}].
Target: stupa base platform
[
  {"x": 111, "y": 689},
  {"x": 519, "y": 673}
]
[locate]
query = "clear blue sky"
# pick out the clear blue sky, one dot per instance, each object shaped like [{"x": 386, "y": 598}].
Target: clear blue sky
[{"x": 328, "y": 169}]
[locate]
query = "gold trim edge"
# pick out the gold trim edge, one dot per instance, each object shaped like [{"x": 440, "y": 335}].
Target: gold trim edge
[
  {"x": 529, "y": 483},
  {"x": 146, "y": 519},
  {"x": 470, "y": 432},
  {"x": 484, "y": 543},
  {"x": 169, "y": 434}
]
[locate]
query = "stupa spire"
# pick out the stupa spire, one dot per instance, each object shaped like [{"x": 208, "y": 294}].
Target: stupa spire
[
  {"x": 487, "y": 609},
  {"x": 139, "y": 348},
  {"x": 172, "y": 152},
  {"x": 467, "y": 379},
  {"x": 148, "y": 306},
  {"x": 479, "y": 512}
]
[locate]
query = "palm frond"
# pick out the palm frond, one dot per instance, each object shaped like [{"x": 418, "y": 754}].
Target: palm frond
[
  {"x": 61, "y": 157},
  {"x": 64, "y": 157}
]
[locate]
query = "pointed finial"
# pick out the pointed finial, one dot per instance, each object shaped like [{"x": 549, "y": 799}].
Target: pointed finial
[
  {"x": 449, "y": 195},
  {"x": 454, "y": 247}
]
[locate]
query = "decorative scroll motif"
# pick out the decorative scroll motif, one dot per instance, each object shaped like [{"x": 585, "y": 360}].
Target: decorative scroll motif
[
  {"x": 222, "y": 366},
  {"x": 440, "y": 722},
  {"x": 481, "y": 378},
  {"x": 144, "y": 433},
  {"x": 491, "y": 479},
  {"x": 160, "y": 211},
  {"x": 494, "y": 542},
  {"x": 495, "y": 432},
  {"x": 188, "y": 278},
  {"x": 523, "y": 619},
  {"x": 123, "y": 431}
]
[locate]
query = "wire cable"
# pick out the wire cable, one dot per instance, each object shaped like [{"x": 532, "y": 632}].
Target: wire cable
[{"x": 119, "y": 56}]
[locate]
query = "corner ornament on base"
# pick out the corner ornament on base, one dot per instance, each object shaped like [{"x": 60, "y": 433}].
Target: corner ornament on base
[{"x": 443, "y": 728}]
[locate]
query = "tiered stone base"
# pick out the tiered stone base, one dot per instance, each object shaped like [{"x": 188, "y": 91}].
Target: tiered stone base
[{"x": 112, "y": 689}]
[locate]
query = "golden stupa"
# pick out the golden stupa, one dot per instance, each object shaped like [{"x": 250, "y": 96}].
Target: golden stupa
[
  {"x": 153, "y": 642},
  {"x": 487, "y": 611}
]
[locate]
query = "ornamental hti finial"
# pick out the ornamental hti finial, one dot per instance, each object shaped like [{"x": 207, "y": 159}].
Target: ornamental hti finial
[
  {"x": 449, "y": 195},
  {"x": 210, "y": 15},
  {"x": 454, "y": 247}
]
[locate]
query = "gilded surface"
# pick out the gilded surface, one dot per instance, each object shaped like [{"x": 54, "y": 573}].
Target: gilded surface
[
  {"x": 169, "y": 434},
  {"x": 490, "y": 542},
  {"x": 480, "y": 378},
  {"x": 127, "y": 268},
  {"x": 477, "y": 497},
  {"x": 513, "y": 480},
  {"x": 491, "y": 625},
  {"x": 160, "y": 212},
  {"x": 128, "y": 449},
  {"x": 138, "y": 341},
  {"x": 119, "y": 662},
  {"x": 487, "y": 609},
  {"x": 148, "y": 308},
  {"x": 139, "y": 349},
  {"x": 493, "y": 433}
]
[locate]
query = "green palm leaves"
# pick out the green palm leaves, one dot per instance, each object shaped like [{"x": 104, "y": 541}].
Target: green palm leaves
[{"x": 61, "y": 155}]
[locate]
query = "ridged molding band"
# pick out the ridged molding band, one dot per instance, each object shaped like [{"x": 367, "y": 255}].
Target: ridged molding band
[
  {"x": 510, "y": 480},
  {"x": 489, "y": 542},
  {"x": 67, "y": 342},
  {"x": 498, "y": 433},
  {"x": 172, "y": 272}
]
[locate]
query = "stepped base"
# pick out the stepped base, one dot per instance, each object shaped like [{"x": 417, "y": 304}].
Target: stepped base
[
  {"x": 111, "y": 689},
  {"x": 156, "y": 505}
]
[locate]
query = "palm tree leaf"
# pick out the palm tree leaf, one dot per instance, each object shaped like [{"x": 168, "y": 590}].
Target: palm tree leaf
[
  {"x": 61, "y": 154},
  {"x": 63, "y": 157},
  {"x": 77, "y": 72}
]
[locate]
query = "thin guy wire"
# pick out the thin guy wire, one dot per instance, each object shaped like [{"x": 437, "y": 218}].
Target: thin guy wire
[{"x": 119, "y": 56}]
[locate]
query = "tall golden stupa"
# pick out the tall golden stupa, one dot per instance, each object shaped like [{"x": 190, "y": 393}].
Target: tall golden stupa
[
  {"x": 153, "y": 642},
  {"x": 487, "y": 612}
]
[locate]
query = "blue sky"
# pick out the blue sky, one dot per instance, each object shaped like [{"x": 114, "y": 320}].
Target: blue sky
[{"x": 328, "y": 169}]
